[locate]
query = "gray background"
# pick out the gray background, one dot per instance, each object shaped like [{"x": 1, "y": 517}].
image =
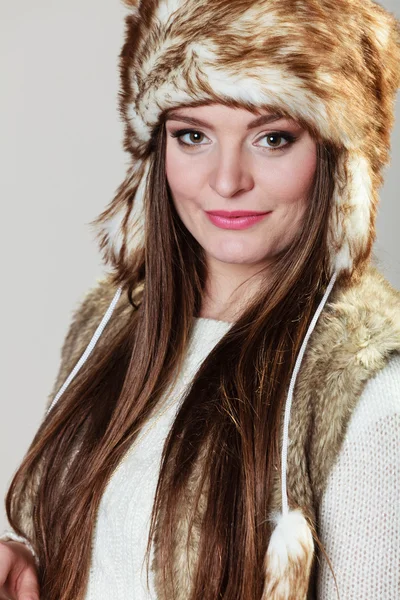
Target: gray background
[{"x": 62, "y": 160}]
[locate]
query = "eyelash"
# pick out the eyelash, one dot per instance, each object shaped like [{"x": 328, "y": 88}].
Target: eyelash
[{"x": 289, "y": 137}]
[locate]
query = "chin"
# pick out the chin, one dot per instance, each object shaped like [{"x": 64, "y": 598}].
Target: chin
[{"x": 232, "y": 258}]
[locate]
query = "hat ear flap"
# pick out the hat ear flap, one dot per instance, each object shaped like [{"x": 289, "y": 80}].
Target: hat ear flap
[
  {"x": 120, "y": 228},
  {"x": 359, "y": 170}
]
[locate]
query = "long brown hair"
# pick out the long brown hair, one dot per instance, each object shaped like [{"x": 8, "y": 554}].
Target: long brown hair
[{"x": 229, "y": 416}]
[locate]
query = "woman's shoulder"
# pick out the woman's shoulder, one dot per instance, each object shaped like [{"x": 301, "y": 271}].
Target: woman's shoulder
[
  {"x": 360, "y": 325},
  {"x": 93, "y": 303},
  {"x": 84, "y": 320},
  {"x": 368, "y": 299},
  {"x": 88, "y": 312},
  {"x": 379, "y": 403}
]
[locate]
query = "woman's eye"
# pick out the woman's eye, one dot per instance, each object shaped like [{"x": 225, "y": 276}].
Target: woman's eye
[
  {"x": 193, "y": 137},
  {"x": 274, "y": 139}
]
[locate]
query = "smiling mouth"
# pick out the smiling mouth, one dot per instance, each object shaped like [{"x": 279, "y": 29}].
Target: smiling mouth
[
  {"x": 243, "y": 221},
  {"x": 235, "y": 213}
]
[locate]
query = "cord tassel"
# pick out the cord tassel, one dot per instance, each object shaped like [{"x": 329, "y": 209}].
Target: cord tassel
[{"x": 289, "y": 558}]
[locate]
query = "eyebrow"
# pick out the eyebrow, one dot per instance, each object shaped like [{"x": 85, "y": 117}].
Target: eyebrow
[{"x": 262, "y": 120}]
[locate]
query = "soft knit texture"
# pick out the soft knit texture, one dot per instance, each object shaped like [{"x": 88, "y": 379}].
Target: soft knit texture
[{"x": 360, "y": 509}]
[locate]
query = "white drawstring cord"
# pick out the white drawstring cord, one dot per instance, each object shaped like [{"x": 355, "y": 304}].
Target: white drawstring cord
[
  {"x": 89, "y": 348},
  {"x": 289, "y": 399},
  {"x": 288, "y": 405}
]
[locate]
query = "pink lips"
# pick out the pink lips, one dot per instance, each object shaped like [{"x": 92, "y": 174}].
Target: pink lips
[{"x": 237, "y": 219}]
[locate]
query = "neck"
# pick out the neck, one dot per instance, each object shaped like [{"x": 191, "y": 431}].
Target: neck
[{"x": 228, "y": 290}]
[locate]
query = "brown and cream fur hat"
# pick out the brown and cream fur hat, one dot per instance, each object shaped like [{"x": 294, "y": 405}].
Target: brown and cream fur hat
[{"x": 333, "y": 65}]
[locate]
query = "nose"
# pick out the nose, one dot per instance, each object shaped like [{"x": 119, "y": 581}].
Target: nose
[{"x": 231, "y": 172}]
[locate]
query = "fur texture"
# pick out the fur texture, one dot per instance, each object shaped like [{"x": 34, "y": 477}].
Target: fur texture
[
  {"x": 288, "y": 559},
  {"x": 332, "y": 65},
  {"x": 356, "y": 334}
]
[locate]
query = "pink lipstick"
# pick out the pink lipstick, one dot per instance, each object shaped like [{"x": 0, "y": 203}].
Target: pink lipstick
[{"x": 236, "y": 219}]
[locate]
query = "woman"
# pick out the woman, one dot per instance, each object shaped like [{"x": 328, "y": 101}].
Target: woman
[{"x": 222, "y": 418}]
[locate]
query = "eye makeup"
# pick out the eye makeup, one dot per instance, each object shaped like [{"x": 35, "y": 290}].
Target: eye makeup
[{"x": 288, "y": 137}]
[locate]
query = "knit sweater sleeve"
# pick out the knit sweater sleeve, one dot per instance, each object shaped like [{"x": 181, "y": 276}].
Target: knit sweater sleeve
[{"x": 360, "y": 509}]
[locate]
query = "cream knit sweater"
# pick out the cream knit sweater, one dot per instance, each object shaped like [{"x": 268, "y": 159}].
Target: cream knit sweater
[{"x": 360, "y": 510}]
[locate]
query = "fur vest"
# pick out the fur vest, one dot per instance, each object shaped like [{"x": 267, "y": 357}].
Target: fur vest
[{"x": 357, "y": 333}]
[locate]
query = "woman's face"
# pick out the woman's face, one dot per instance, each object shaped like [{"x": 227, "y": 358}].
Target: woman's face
[{"x": 228, "y": 163}]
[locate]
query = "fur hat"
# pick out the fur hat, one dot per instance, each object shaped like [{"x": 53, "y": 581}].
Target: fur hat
[{"x": 333, "y": 66}]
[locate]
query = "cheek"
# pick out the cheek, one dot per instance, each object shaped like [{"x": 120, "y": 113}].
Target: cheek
[
  {"x": 290, "y": 178},
  {"x": 172, "y": 166},
  {"x": 185, "y": 177}
]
